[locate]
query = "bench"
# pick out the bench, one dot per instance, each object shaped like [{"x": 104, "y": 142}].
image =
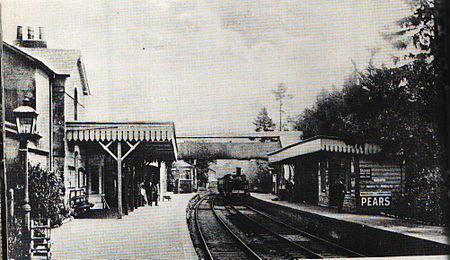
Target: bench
[
  {"x": 78, "y": 200},
  {"x": 40, "y": 239},
  {"x": 166, "y": 197}
]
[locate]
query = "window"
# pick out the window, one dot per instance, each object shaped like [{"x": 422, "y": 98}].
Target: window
[
  {"x": 75, "y": 104},
  {"x": 77, "y": 173},
  {"x": 81, "y": 178},
  {"x": 72, "y": 177}
]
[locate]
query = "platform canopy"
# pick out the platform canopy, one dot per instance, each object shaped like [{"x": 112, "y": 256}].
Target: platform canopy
[
  {"x": 157, "y": 137},
  {"x": 124, "y": 131},
  {"x": 151, "y": 141},
  {"x": 318, "y": 144}
]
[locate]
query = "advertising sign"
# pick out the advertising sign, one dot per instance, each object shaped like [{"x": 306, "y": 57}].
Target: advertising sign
[
  {"x": 365, "y": 173},
  {"x": 375, "y": 199}
]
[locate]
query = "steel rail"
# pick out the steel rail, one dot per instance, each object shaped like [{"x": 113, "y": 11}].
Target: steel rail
[
  {"x": 275, "y": 234},
  {"x": 205, "y": 244},
  {"x": 197, "y": 222},
  {"x": 253, "y": 253},
  {"x": 351, "y": 252}
]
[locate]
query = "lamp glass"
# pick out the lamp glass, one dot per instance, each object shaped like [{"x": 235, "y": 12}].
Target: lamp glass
[{"x": 25, "y": 125}]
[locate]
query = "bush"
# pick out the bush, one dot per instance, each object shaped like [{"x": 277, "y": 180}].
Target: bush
[
  {"x": 46, "y": 191},
  {"x": 262, "y": 180},
  {"x": 15, "y": 239}
]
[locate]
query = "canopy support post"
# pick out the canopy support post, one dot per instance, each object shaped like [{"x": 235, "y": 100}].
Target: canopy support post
[
  {"x": 119, "y": 159},
  {"x": 119, "y": 180}
]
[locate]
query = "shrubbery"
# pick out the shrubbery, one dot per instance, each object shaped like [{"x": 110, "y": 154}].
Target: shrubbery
[
  {"x": 46, "y": 190},
  {"x": 262, "y": 180}
]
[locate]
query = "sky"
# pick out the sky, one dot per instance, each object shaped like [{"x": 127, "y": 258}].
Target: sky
[{"x": 210, "y": 65}]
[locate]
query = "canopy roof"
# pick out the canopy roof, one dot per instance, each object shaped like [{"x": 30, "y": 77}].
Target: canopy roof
[
  {"x": 155, "y": 137},
  {"x": 320, "y": 143},
  {"x": 124, "y": 131}
]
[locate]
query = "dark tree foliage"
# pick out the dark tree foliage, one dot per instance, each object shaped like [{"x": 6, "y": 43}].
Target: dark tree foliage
[
  {"x": 400, "y": 108},
  {"x": 201, "y": 160},
  {"x": 263, "y": 122},
  {"x": 262, "y": 180},
  {"x": 202, "y": 167}
]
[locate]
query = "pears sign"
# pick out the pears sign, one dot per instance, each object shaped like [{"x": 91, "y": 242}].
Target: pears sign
[{"x": 375, "y": 199}]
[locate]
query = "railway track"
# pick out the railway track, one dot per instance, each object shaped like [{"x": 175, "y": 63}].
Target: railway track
[
  {"x": 241, "y": 232},
  {"x": 311, "y": 245},
  {"x": 219, "y": 241}
]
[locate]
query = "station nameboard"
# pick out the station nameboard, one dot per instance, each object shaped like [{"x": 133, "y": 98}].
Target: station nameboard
[
  {"x": 365, "y": 173},
  {"x": 373, "y": 199}
]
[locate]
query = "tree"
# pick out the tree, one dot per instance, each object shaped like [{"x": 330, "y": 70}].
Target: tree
[
  {"x": 280, "y": 94},
  {"x": 263, "y": 122},
  {"x": 263, "y": 176},
  {"x": 202, "y": 156},
  {"x": 397, "y": 108},
  {"x": 424, "y": 30},
  {"x": 402, "y": 108}
]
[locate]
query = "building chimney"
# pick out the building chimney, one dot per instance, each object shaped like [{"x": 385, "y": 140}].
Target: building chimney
[
  {"x": 19, "y": 33},
  {"x": 30, "y": 33},
  {"x": 35, "y": 39},
  {"x": 41, "y": 33}
]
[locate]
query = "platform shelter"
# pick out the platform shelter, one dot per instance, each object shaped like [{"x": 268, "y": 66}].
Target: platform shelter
[
  {"x": 118, "y": 156},
  {"x": 309, "y": 171}
]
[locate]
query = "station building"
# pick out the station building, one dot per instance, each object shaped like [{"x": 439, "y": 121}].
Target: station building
[
  {"x": 55, "y": 82},
  {"x": 182, "y": 177},
  {"x": 104, "y": 162},
  {"x": 308, "y": 172}
]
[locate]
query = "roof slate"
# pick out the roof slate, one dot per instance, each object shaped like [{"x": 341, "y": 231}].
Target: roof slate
[{"x": 60, "y": 61}]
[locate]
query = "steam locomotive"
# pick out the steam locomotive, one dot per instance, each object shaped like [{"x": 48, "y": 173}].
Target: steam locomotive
[{"x": 233, "y": 184}]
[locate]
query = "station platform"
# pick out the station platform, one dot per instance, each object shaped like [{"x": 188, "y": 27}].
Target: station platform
[
  {"x": 409, "y": 228},
  {"x": 375, "y": 235},
  {"x": 146, "y": 233}
]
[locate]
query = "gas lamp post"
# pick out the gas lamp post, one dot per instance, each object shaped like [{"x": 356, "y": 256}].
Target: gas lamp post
[{"x": 26, "y": 118}]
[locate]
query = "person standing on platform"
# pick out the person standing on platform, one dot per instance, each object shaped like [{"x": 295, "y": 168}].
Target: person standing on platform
[
  {"x": 148, "y": 191},
  {"x": 143, "y": 192},
  {"x": 290, "y": 191},
  {"x": 154, "y": 191},
  {"x": 341, "y": 187}
]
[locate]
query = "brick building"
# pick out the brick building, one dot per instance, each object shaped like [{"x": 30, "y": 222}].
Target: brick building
[{"x": 55, "y": 81}]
